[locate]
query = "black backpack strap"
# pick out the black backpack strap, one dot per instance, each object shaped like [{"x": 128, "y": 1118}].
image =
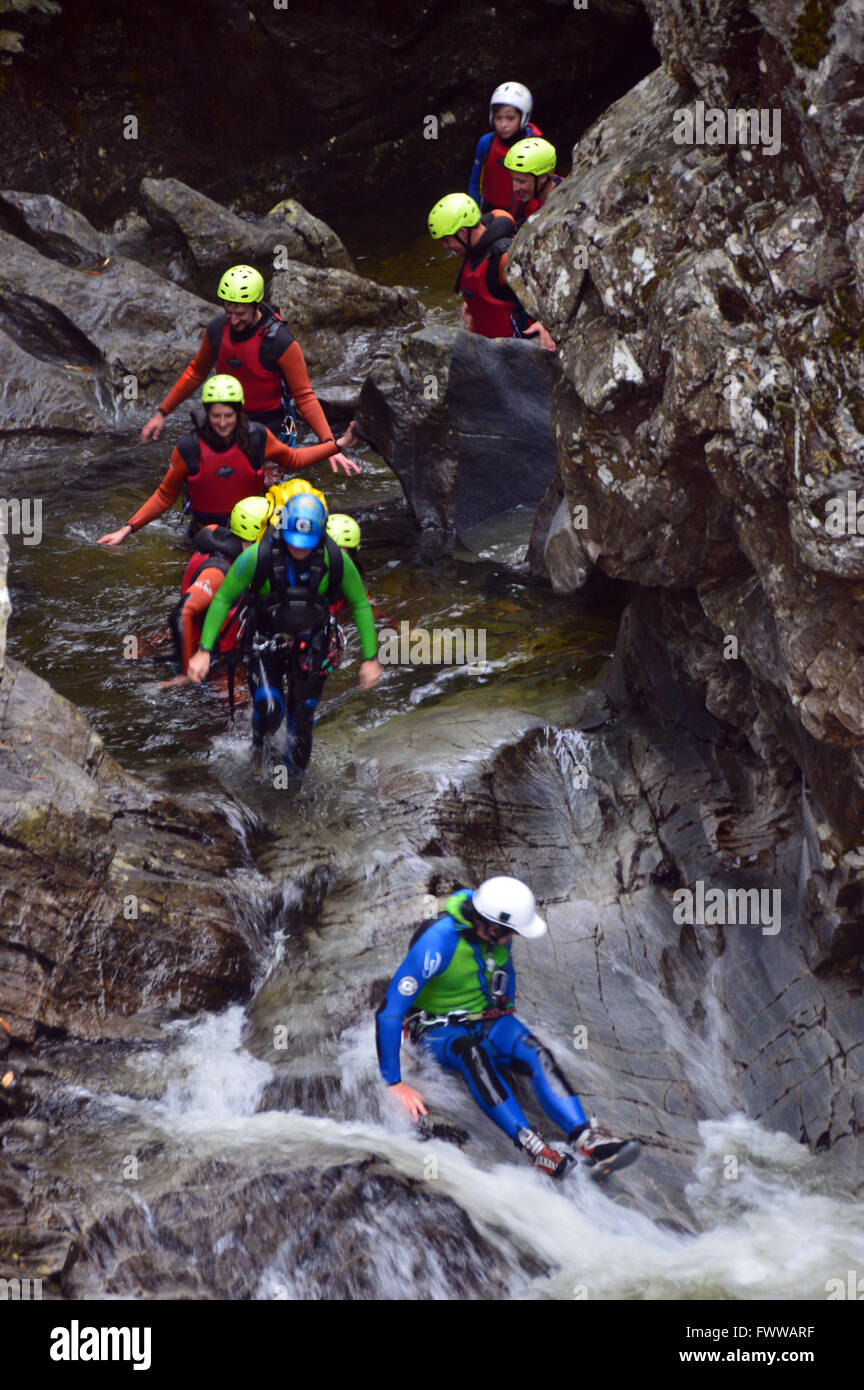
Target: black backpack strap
[
  {"x": 264, "y": 566},
  {"x": 214, "y": 331},
  {"x": 424, "y": 926},
  {"x": 257, "y": 444},
  {"x": 189, "y": 449},
  {"x": 336, "y": 566}
]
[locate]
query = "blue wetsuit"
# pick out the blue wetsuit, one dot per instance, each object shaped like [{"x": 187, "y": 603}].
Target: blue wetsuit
[{"x": 474, "y": 1047}]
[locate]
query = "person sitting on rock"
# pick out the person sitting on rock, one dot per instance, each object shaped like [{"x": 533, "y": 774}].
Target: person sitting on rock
[
  {"x": 249, "y": 340},
  {"x": 216, "y": 549},
  {"x": 489, "y": 306},
  {"x": 221, "y": 461},
  {"x": 532, "y": 170},
  {"x": 454, "y": 996},
  {"x": 292, "y": 578},
  {"x": 509, "y": 111}
]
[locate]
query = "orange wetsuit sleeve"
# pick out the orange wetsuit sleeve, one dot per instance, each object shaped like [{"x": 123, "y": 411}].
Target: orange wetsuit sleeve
[
  {"x": 191, "y": 377},
  {"x": 165, "y": 495},
  {"x": 294, "y": 459},
  {"x": 197, "y": 600},
  {"x": 292, "y": 365}
]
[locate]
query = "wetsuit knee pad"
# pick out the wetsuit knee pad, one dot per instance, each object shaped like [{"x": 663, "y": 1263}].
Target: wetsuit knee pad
[
  {"x": 268, "y": 708},
  {"x": 546, "y": 1063},
  {"x": 481, "y": 1070}
]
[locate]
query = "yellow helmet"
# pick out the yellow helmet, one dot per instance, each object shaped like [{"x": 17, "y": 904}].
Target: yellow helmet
[
  {"x": 281, "y": 493},
  {"x": 248, "y": 518}
]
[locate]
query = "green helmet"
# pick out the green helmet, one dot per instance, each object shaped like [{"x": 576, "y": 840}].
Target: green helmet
[
  {"x": 248, "y": 517},
  {"x": 344, "y": 531},
  {"x": 531, "y": 156},
  {"x": 241, "y": 285},
  {"x": 451, "y": 213},
  {"x": 226, "y": 390}
]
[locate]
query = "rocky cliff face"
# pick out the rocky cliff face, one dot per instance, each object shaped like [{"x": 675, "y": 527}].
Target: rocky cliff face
[{"x": 703, "y": 276}]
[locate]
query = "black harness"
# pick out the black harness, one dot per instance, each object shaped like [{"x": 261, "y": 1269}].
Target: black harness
[{"x": 290, "y": 609}]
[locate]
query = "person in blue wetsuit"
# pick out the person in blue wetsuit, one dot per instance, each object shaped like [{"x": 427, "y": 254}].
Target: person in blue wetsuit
[{"x": 454, "y": 994}]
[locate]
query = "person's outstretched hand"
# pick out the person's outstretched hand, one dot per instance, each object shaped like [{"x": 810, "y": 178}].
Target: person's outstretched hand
[
  {"x": 342, "y": 460},
  {"x": 154, "y": 427},
  {"x": 411, "y": 1099},
  {"x": 115, "y": 537},
  {"x": 352, "y": 438}
]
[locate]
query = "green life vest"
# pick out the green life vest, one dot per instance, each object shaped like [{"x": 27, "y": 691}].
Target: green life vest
[{"x": 459, "y": 986}]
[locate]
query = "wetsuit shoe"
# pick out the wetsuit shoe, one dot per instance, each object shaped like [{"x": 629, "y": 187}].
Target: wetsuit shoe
[
  {"x": 298, "y": 750},
  {"x": 601, "y": 1150},
  {"x": 549, "y": 1159}
]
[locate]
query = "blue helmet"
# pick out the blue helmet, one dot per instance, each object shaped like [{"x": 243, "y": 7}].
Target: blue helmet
[{"x": 304, "y": 518}]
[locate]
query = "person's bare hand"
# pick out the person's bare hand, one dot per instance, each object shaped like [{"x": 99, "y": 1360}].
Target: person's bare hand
[
  {"x": 370, "y": 672},
  {"x": 116, "y": 537},
  {"x": 199, "y": 665},
  {"x": 154, "y": 427},
  {"x": 411, "y": 1099},
  {"x": 342, "y": 460}
]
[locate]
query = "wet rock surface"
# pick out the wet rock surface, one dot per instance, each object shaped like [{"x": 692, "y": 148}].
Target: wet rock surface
[
  {"x": 353, "y": 1232},
  {"x": 711, "y": 405},
  {"x": 342, "y": 320},
  {"x": 113, "y": 908},
  {"x": 89, "y": 322},
  {"x": 463, "y": 422},
  {"x": 215, "y": 238}
]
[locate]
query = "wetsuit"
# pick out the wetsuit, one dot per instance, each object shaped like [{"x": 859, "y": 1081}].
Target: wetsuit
[
  {"x": 202, "y": 455},
  {"x": 263, "y": 357},
  {"x": 288, "y": 636},
  {"x": 490, "y": 184},
  {"x": 495, "y": 311},
  {"x": 216, "y": 549},
  {"x": 449, "y": 971}
]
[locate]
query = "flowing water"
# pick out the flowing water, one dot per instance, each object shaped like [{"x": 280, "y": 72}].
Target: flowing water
[{"x": 91, "y": 621}]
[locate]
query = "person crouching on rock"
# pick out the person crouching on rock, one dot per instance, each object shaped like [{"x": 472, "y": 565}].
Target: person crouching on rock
[
  {"x": 532, "y": 170},
  {"x": 454, "y": 996},
  {"x": 292, "y": 577},
  {"x": 489, "y": 306},
  {"x": 216, "y": 549},
  {"x": 249, "y": 339},
  {"x": 221, "y": 461}
]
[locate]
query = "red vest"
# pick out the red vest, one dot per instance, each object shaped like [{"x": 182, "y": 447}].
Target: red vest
[
  {"x": 491, "y": 315},
  {"x": 497, "y": 186},
  {"x": 221, "y": 480},
  {"x": 199, "y": 562},
  {"x": 262, "y": 388}
]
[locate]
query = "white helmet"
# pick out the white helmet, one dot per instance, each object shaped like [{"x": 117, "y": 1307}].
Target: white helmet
[
  {"x": 508, "y": 902},
  {"x": 512, "y": 94}
]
